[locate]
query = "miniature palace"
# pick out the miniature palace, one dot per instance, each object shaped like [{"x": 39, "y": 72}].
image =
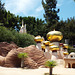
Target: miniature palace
[{"x": 54, "y": 50}]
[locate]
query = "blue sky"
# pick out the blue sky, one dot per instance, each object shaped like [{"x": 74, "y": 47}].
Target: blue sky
[{"x": 34, "y": 8}]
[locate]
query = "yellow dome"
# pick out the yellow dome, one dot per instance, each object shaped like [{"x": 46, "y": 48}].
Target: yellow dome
[
  {"x": 65, "y": 53},
  {"x": 38, "y": 39},
  {"x": 54, "y": 36},
  {"x": 54, "y": 47},
  {"x": 65, "y": 46},
  {"x": 46, "y": 43},
  {"x": 43, "y": 46},
  {"x": 51, "y": 44}
]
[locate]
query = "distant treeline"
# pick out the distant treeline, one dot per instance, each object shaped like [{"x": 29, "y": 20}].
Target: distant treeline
[{"x": 36, "y": 26}]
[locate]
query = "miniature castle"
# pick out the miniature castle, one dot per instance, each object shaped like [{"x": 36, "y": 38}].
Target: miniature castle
[
  {"x": 23, "y": 28},
  {"x": 53, "y": 49}
]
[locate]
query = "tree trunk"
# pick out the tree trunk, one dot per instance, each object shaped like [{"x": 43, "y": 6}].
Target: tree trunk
[
  {"x": 50, "y": 72},
  {"x": 22, "y": 62}
]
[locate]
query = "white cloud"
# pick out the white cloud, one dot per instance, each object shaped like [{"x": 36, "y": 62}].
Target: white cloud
[
  {"x": 25, "y": 7},
  {"x": 40, "y": 8}
]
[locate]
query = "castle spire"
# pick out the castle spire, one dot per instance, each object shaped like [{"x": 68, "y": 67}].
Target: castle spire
[
  {"x": 22, "y": 23},
  {"x": 25, "y": 29}
]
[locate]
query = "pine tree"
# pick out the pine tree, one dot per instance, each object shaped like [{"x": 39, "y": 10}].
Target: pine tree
[
  {"x": 2, "y": 10},
  {"x": 50, "y": 15}
]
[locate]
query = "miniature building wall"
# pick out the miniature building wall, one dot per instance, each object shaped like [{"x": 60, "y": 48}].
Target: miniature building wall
[{"x": 69, "y": 62}]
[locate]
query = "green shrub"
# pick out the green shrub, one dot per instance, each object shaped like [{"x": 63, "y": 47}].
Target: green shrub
[
  {"x": 6, "y": 35},
  {"x": 22, "y": 40}
]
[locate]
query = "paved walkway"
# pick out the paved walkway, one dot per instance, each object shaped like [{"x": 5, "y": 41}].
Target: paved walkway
[{"x": 59, "y": 70}]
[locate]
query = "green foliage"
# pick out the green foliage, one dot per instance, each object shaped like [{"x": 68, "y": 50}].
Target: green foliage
[
  {"x": 6, "y": 35},
  {"x": 9, "y": 20},
  {"x": 70, "y": 49},
  {"x": 50, "y": 15},
  {"x": 21, "y": 55},
  {"x": 35, "y": 26},
  {"x": 67, "y": 28},
  {"x": 50, "y": 64},
  {"x": 2, "y": 10},
  {"x": 21, "y": 40}
]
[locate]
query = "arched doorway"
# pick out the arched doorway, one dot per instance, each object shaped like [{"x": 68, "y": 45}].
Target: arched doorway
[
  {"x": 69, "y": 66},
  {"x": 73, "y": 65}
]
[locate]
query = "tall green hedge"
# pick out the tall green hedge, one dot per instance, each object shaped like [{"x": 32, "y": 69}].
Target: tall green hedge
[{"x": 22, "y": 40}]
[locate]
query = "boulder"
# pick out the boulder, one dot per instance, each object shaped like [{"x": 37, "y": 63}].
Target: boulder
[
  {"x": 6, "y": 47},
  {"x": 35, "y": 54},
  {"x": 9, "y": 56},
  {"x": 2, "y": 60},
  {"x": 29, "y": 63},
  {"x": 12, "y": 60}
]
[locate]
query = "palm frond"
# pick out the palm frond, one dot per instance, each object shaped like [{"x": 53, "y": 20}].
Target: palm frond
[
  {"x": 20, "y": 55},
  {"x": 51, "y": 63}
]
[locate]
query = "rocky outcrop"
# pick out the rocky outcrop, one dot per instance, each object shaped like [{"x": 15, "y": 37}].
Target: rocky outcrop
[
  {"x": 35, "y": 54},
  {"x": 2, "y": 60},
  {"x": 9, "y": 56},
  {"x": 29, "y": 63},
  {"x": 12, "y": 60},
  {"x": 6, "y": 47}
]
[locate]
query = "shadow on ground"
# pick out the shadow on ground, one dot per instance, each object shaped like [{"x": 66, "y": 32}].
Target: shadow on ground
[{"x": 52, "y": 74}]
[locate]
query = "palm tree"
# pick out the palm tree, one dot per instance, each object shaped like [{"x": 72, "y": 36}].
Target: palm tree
[
  {"x": 50, "y": 64},
  {"x": 22, "y": 56}
]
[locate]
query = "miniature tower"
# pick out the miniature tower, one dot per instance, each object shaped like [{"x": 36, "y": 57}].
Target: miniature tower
[
  {"x": 47, "y": 50},
  {"x": 54, "y": 50},
  {"x": 54, "y": 37},
  {"x": 43, "y": 47},
  {"x": 65, "y": 47},
  {"x": 46, "y": 43},
  {"x": 38, "y": 40},
  {"x": 23, "y": 28},
  {"x": 61, "y": 51}
]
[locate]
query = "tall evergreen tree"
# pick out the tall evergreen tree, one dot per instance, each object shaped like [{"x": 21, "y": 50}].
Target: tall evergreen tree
[
  {"x": 50, "y": 15},
  {"x": 2, "y": 9}
]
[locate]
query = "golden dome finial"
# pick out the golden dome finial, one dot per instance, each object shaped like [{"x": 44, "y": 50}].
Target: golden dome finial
[
  {"x": 54, "y": 36},
  {"x": 38, "y": 39}
]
